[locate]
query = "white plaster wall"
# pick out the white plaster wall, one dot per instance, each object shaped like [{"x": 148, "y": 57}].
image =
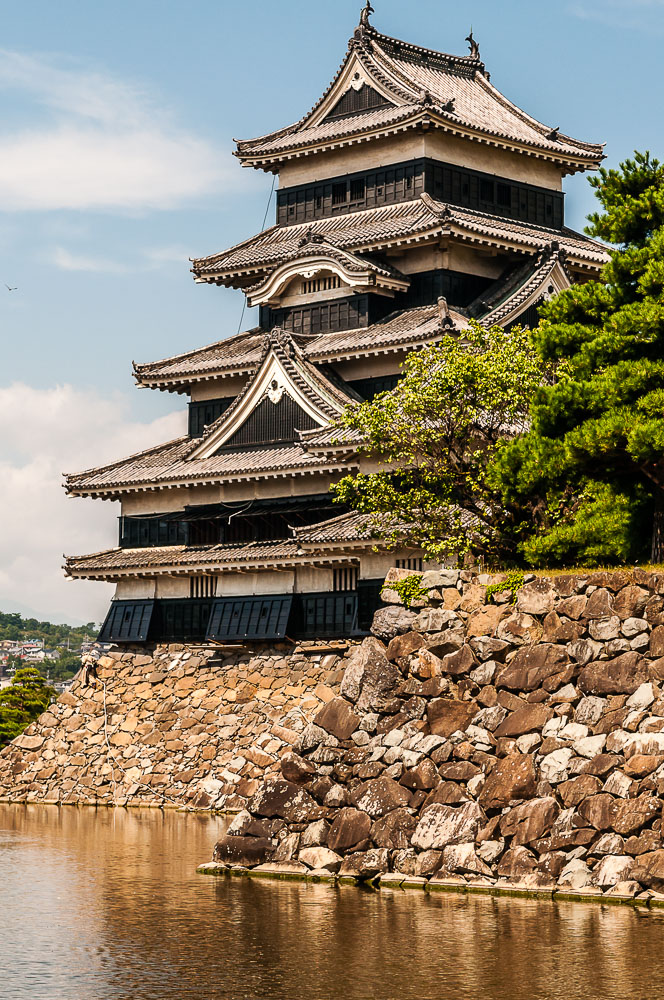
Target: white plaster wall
[
  {"x": 135, "y": 590},
  {"x": 218, "y": 388},
  {"x": 309, "y": 580},
  {"x": 248, "y": 584},
  {"x": 435, "y": 144}
]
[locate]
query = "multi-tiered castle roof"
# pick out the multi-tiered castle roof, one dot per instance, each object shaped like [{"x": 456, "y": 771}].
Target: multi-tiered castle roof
[{"x": 412, "y": 198}]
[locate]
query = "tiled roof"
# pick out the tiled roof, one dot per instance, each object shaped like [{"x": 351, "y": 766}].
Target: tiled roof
[
  {"x": 378, "y": 228},
  {"x": 401, "y": 329},
  {"x": 500, "y": 302},
  {"x": 167, "y": 465},
  {"x": 453, "y": 93},
  {"x": 303, "y": 548},
  {"x": 344, "y": 528},
  {"x": 373, "y": 228},
  {"x": 187, "y": 461}
]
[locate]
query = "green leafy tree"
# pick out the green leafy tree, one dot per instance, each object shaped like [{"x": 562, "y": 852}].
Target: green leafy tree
[
  {"x": 589, "y": 474},
  {"x": 22, "y": 702},
  {"x": 432, "y": 437}
]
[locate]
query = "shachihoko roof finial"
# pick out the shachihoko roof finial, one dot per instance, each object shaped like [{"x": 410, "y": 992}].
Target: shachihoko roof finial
[
  {"x": 474, "y": 47},
  {"x": 366, "y": 13}
]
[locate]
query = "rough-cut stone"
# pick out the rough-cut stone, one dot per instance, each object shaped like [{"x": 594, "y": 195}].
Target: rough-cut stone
[
  {"x": 394, "y": 830},
  {"x": 320, "y": 857},
  {"x": 553, "y": 767},
  {"x": 404, "y": 645},
  {"x": 630, "y": 602},
  {"x": 598, "y": 811},
  {"x": 388, "y": 622},
  {"x": 366, "y": 864},
  {"x": 531, "y": 666},
  {"x": 350, "y": 828},
  {"x": 441, "y": 825},
  {"x": 516, "y": 863},
  {"x": 524, "y": 720},
  {"x": 462, "y": 858},
  {"x": 296, "y": 769},
  {"x": 447, "y": 715},
  {"x": 630, "y": 815},
  {"x": 649, "y": 870},
  {"x": 460, "y": 662},
  {"x": 573, "y": 792},
  {"x": 243, "y": 850},
  {"x": 536, "y": 598},
  {"x": 286, "y": 800},
  {"x": 511, "y": 778},
  {"x": 370, "y": 678},
  {"x": 380, "y": 796},
  {"x": 337, "y": 718},
  {"x": 529, "y": 821},
  {"x": 623, "y": 675}
]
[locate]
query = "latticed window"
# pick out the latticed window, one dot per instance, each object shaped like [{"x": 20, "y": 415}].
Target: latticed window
[
  {"x": 345, "y": 579},
  {"x": 203, "y": 586},
  {"x": 321, "y": 284}
]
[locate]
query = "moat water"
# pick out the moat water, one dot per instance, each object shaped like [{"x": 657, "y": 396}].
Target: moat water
[{"x": 107, "y": 906}]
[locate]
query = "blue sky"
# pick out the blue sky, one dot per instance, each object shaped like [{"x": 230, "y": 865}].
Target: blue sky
[{"x": 116, "y": 166}]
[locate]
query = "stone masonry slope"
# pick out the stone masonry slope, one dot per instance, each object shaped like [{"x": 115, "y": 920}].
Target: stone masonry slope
[
  {"x": 169, "y": 726},
  {"x": 487, "y": 744}
]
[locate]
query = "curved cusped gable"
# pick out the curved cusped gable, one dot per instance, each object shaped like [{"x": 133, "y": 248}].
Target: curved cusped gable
[{"x": 317, "y": 256}]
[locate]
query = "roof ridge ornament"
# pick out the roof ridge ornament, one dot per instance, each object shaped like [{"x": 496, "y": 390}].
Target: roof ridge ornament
[
  {"x": 365, "y": 15},
  {"x": 474, "y": 46}
]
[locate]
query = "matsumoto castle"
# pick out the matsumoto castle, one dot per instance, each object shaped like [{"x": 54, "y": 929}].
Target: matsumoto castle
[{"x": 411, "y": 198}]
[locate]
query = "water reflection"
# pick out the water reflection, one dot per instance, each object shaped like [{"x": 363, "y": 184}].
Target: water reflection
[{"x": 107, "y": 906}]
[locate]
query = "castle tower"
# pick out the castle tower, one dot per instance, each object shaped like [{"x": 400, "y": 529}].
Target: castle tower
[{"x": 412, "y": 197}]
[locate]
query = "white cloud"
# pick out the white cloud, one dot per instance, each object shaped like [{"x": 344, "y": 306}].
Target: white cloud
[
  {"x": 620, "y": 13},
  {"x": 147, "y": 260},
  {"x": 104, "y": 144},
  {"x": 48, "y": 432},
  {"x": 67, "y": 261}
]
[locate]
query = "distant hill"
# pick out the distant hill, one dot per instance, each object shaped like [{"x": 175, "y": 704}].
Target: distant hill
[{"x": 16, "y": 628}]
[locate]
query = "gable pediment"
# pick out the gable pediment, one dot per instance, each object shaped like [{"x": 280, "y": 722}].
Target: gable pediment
[
  {"x": 356, "y": 100},
  {"x": 286, "y": 395}
]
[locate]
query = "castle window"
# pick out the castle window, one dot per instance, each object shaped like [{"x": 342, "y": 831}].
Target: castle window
[
  {"x": 345, "y": 579},
  {"x": 486, "y": 190},
  {"x": 357, "y": 189},
  {"x": 504, "y": 195},
  {"x": 203, "y": 586},
  {"x": 339, "y": 192},
  {"x": 321, "y": 284}
]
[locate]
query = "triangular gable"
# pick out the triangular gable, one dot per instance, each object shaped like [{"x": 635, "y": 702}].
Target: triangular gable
[
  {"x": 356, "y": 100},
  {"x": 354, "y": 85},
  {"x": 285, "y": 395}
]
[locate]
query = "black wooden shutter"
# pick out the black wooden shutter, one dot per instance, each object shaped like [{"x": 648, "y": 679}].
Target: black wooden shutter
[
  {"x": 249, "y": 618},
  {"x": 127, "y": 621}
]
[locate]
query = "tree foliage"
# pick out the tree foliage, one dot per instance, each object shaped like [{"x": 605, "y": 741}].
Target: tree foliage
[
  {"x": 18, "y": 629},
  {"x": 590, "y": 471},
  {"x": 22, "y": 702},
  {"x": 432, "y": 437}
]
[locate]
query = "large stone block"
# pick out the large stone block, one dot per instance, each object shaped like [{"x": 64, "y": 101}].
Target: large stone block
[
  {"x": 447, "y": 715},
  {"x": 512, "y": 778},
  {"x": 531, "y": 666},
  {"x": 622, "y": 675},
  {"x": 350, "y": 828},
  {"x": 441, "y": 825},
  {"x": 370, "y": 678},
  {"x": 338, "y": 718}
]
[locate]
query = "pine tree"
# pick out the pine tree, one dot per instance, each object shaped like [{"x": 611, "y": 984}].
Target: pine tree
[{"x": 589, "y": 475}]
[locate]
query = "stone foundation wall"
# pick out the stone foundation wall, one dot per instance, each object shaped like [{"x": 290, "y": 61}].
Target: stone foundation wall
[
  {"x": 169, "y": 726},
  {"x": 516, "y": 742}
]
